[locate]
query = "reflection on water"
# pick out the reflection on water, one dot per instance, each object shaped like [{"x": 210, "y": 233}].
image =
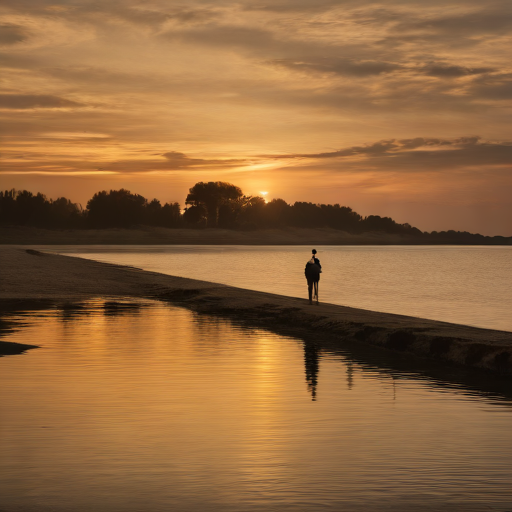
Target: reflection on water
[
  {"x": 143, "y": 406},
  {"x": 462, "y": 284},
  {"x": 311, "y": 362}
]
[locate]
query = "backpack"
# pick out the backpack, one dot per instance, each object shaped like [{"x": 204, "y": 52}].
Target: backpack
[{"x": 312, "y": 270}]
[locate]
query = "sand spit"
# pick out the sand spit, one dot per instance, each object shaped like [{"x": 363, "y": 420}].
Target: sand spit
[{"x": 34, "y": 277}]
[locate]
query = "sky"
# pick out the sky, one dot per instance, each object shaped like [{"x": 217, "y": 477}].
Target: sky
[{"x": 397, "y": 108}]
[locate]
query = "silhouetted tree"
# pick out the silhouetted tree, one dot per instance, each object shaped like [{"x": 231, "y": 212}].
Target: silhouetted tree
[
  {"x": 8, "y": 206},
  {"x": 252, "y": 211},
  {"x": 117, "y": 208},
  {"x": 153, "y": 213},
  {"x": 212, "y": 196},
  {"x": 65, "y": 214},
  {"x": 171, "y": 215},
  {"x": 195, "y": 215},
  {"x": 341, "y": 217},
  {"x": 276, "y": 213},
  {"x": 24, "y": 208},
  {"x": 307, "y": 215}
]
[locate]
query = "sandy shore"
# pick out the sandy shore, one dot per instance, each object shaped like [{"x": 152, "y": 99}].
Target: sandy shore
[{"x": 28, "y": 278}]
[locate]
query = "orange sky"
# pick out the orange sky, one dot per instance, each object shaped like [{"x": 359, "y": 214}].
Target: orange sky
[{"x": 395, "y": 108}]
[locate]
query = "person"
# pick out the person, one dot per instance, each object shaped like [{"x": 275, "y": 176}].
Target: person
[{"x": 312, "y": 272}]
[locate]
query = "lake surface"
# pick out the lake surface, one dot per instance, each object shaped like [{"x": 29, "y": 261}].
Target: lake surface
[
  {"x": 142, "y": 406},
  {"x": 457, "y": 284}
]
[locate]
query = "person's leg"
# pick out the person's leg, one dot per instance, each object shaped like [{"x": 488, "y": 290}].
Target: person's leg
[{"x": 310, "y": 291}]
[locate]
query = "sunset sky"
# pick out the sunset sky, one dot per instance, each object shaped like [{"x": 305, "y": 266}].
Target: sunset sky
[{"x": 394, "y": 108}]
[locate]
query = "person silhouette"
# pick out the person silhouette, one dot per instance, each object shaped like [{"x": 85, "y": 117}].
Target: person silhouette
[{"x": 312, "y": 272}]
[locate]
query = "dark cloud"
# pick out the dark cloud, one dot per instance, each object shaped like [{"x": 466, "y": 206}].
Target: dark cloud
[
  {"x": 26, "y": 101},
  {"x": 405, "y": 153},
  {"x": 225, "y": 35},
  {"x": 338, "y": 66},
  {"x": 136, "y": 15},
  {"x": 179, "y": 160},
  {"x": 453, "y": 71},
  {"x": 270, "y": 44},
  {"x": 478, "y": 155},
  {"x": 285, "y": 6},
  {"x": 113, "y": 10},
  {"x": 483, "y": 21},
  {"x": 419, "y": 142},
  {"x": 450, "y": 31},
  {"x": 377, "y": 148},
  {"x": 494, "y": 87},
  {"x": 12, "y": 34},
  {"x": 17, "y": 61}
]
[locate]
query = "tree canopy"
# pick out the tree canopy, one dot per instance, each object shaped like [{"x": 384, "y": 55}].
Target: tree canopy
[{"x": 211, "y": 196}]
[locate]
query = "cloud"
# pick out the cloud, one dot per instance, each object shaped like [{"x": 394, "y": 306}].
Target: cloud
[
  {"x": 153, "y": 17},
  {"x": 12, "y": 34},
  {"x": 482, "y": 21},
  {"x": 179, "y": 160},
  {"x": 453, "y": 71},
  {"x": 26, "y": 101},
  {"x": 494, "y": 87},
  {"x": 227, "y": 36},
  {"x": 376, "y": 148},
  {"x": 348, "y": 67},
  {"x": 420, "y": 152},
  {"x": 453, "y": 31}
]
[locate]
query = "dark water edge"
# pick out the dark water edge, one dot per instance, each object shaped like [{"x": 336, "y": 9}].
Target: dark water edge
[
  {"x": 396, "y": 365},
  {"x": 22, "y": 307}
]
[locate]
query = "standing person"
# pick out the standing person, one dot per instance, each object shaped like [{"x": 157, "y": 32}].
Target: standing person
[{"x": 312, "y": 272}]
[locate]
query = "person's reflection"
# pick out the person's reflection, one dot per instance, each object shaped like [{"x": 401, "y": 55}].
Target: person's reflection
[
  {"x": 350, "y": 374},
  {"x": 311, "y": 363}
]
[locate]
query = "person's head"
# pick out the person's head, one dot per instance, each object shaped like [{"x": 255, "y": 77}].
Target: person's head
[{"x": 314, "y": 251}]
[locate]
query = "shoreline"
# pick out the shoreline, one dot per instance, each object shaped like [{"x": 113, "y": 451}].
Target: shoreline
[
  {"x": 146, "y": 235},
  {"x": 31, "y": 277}
]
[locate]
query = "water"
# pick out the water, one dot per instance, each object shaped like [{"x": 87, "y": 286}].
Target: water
[
  {"x": 462, "y": 285},
  {"x": 150, "y": 407}
]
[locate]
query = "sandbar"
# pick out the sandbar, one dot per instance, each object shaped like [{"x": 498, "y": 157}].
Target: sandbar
[{"x": 30, "y": 277}]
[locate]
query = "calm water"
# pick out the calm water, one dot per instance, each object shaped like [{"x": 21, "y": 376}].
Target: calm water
[
  {"x": 150, "y": 407},
  {"x": 463, "y": 285}
]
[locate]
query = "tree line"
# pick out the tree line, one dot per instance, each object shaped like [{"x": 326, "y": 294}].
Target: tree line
[
  {"x": 207, "y": 205},
  {"x": 117, "y": 208}
]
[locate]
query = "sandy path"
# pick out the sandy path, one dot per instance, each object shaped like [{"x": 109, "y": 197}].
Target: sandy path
[{"x": 27, "y": 275}]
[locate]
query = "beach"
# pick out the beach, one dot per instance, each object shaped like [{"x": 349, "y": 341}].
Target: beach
[{"x": 31, "y": 279}]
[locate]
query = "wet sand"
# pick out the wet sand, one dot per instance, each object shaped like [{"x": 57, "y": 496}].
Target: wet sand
[{"x": 31, "y": 279}]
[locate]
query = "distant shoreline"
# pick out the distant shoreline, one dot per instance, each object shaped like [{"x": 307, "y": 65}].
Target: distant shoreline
[
  {"x": 30, "y": 279},
  {"x": 146, "y": 235}
]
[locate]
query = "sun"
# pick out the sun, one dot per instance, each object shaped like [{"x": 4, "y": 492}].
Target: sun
[{"x": 264, "y": 193}]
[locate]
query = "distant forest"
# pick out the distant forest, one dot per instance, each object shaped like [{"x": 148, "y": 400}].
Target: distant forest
[{"x": 208, "y": 205}]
